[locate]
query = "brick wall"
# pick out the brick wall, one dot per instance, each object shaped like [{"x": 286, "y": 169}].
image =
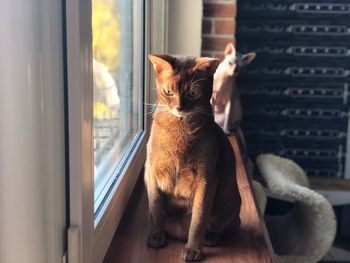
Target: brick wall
[{"x": 218, "y": 26}]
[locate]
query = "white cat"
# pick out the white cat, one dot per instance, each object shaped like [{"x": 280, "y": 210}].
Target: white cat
[{"x": 225, "y": 99}]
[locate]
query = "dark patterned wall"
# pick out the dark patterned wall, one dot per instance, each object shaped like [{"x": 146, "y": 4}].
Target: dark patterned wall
[{"x": 295, "y": 94}]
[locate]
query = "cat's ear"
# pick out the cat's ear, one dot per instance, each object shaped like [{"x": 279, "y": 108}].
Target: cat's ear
[
  {"x": 230, "y": 49},
  {"x": 161, "y": 63},
  {"x": 208, "y": 64},
  {"x": 247, "y": 58}
]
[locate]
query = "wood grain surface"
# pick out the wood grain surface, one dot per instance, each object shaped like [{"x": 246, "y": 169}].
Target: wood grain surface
[
  {"x": 329, "y": 183},
  {"x": 249, "y": 245}
]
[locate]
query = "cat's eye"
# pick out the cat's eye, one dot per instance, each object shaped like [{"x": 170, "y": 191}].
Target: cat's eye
[
  {"x": 168, "y": 92},
  {"x": 193, "y": 93}
]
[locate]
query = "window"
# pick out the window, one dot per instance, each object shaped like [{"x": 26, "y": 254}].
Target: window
[
  {"x": 108, "y": 84},
  {"x": 117, "y": 49}
]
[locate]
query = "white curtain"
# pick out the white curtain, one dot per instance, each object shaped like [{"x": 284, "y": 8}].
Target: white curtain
[{"x": 32, "y": 197}]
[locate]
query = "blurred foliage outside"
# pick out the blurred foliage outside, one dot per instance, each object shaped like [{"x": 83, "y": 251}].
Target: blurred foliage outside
[
  {"x": 105, "y": 46},
  {"x": 106, "y": 33}
]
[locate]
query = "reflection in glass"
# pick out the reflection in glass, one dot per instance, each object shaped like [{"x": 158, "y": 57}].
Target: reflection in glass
[{"x": 117, "y": 105}]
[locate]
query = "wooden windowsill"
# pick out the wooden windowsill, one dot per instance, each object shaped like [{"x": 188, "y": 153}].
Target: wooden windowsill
[
  {"x": 250, "y": 244},
  {"x": 329, "y": 183}
]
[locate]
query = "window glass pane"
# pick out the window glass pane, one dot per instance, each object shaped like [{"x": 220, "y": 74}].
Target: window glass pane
[{"x": 117, "y": 77}]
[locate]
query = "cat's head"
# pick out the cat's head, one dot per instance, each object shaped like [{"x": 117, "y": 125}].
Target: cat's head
[
  {"x": 234, "y": 61},
  {"x": 184, "y": 84}
]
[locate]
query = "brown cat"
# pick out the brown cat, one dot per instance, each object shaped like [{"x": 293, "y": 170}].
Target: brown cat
[{"x": 190, "y": 167}]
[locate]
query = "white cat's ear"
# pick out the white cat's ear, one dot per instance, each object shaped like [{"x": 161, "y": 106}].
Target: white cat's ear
[
  {"x": 161, "y": 63},
  {"x": 230, "y": 49},
  {"x": 206, "y": 63},
  {"x": 247, "y": 58}
]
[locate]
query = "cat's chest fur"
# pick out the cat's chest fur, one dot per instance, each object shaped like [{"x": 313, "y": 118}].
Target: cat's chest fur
[{"x": 176, "y": 157}]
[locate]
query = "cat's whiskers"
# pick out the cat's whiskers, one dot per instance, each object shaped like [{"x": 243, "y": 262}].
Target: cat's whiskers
[
  {"x": 155, "y": 107},
  {"x": 203, "y": 111},
  {"x": 177, "y": 113},
  {"x": 157, "y": 110},
  {"x": 154, "y": 104}
]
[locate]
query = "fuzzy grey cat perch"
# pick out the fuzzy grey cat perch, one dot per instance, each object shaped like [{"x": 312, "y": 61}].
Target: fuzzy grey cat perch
[{"x": 306, "y": 233}]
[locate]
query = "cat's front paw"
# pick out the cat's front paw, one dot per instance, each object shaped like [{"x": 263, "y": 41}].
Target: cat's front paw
[
  {"x": 156, "y": 240},
  {"x": 192, "y": 255}
]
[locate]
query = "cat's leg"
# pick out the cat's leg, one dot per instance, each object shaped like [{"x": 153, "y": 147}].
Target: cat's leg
[
  {"x": 156, "y": 237},
  {"x": 225, "y": 224},
  {"x": 201, "y": 211},
  {"x": 226, "y": 127},
  {"x": 211, "y": 238},
  {"x": 178, "y": 227},
  {"x": 219, "y": 115},
  {"x": 234, "y": 225}
]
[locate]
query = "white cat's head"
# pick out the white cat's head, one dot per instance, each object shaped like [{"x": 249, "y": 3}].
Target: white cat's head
[{"x": 234, "y": 60}]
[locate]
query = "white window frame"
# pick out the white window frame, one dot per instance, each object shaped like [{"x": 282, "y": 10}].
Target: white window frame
[{"x": 89, "y": 237}]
